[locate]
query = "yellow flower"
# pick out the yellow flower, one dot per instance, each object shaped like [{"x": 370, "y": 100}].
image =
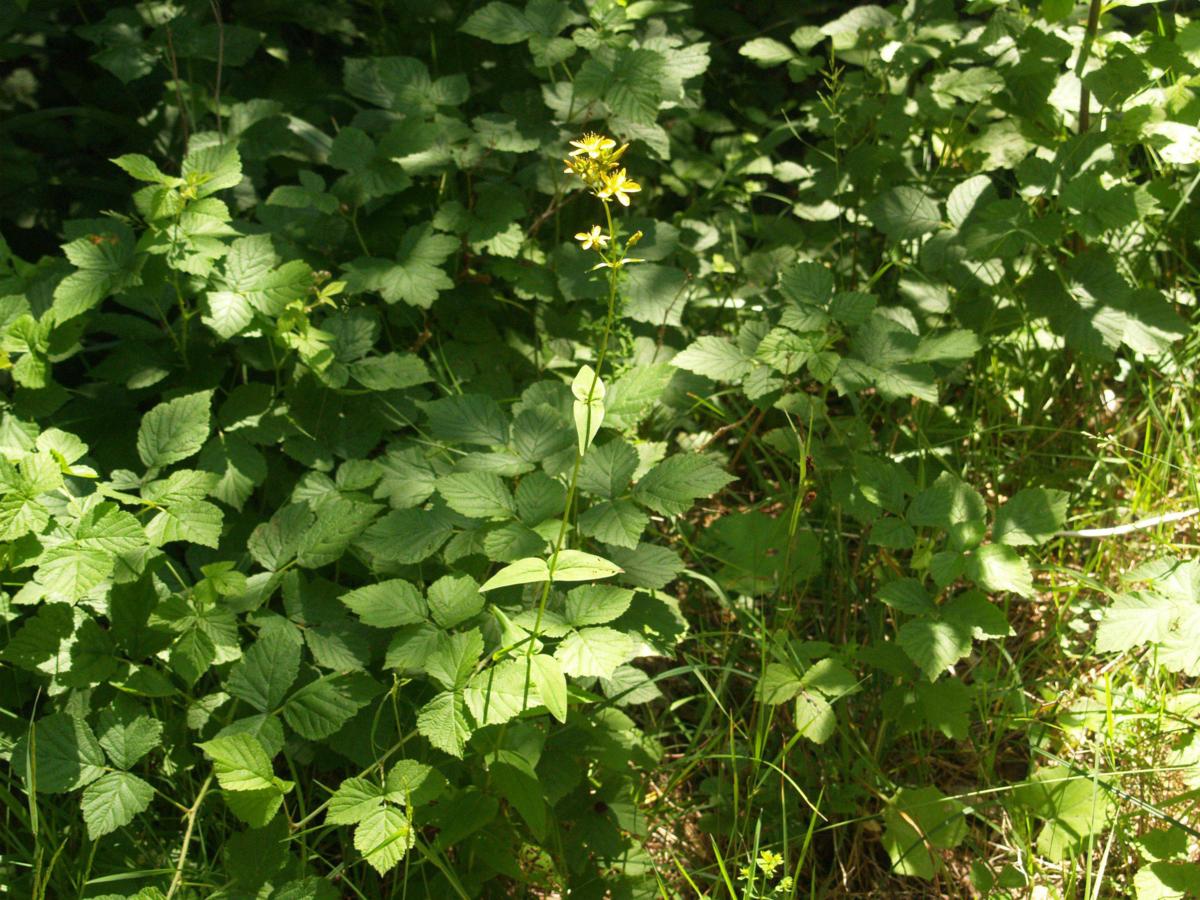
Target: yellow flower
[
  {"x": 769, "y": 861},
  {"x": 593, "y": 238},
  {"x": 618, "y": 184},
  {"x": 592, "y": 144}
]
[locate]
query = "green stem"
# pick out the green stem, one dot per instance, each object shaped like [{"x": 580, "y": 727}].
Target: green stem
[{"x": 613, "y": 273}]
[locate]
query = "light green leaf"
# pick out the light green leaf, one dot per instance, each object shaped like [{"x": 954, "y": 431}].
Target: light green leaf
[
  {"x": 174, "y": 430},
  {"x": 551, "y": 685},
  {"x": 996, "y": 567},
  {"x": 498, "y": 693},
  {"x": 112, "y": 802},
  {"x": 265, "y": 673},
  {"x": 766, "y": 51},
  {"x": 589, "y": 393},
  {"x": 1030, "y": 516},
  {"x": 575, "y": 565},
  {"x": 499, "y": 23},
  {"x": 454, "y": 658},
  {"x": 673, "y": 486},
  {"x": 934, "y": 646},
  {"x": 453, "y": 599},
  {"x": 596, "y": 604},
  {"x": 477, "y": 495},
  {"x": 389, "y": 604},
  {"x": 524, "y": 571},
  {"x": 716, "y": 358},
  {"x": 353, "y": 801},
  {"x": 594, "y": 652},
  {"x": 443, "y": 722},
  {"x": 383, "y": 837},
  {"x": 904, "y": 213},
  {"x": 918, "y": 821},
  {"x": 241, "y": 764}
]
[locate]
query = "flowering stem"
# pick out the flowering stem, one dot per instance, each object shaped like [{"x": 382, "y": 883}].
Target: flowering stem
[{"x": 614, "y": 268}]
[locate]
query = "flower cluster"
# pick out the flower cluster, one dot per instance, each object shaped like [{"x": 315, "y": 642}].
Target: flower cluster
[
  {"x": 596, "y": 160},
  {"x": 767, "y": 864}
]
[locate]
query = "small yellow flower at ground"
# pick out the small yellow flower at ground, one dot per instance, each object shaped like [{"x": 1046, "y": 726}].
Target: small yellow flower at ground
[
  {"x": 593, "y": 238},
  {"x": 592, "y": 144},
  {"x": 618, "y": 185},
  {"x": 769, "y": 861}
]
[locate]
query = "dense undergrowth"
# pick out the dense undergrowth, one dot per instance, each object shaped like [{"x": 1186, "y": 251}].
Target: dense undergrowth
[{"x": 389, "y": 510}]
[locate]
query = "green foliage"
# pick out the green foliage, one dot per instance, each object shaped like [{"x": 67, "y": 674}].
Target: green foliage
[{"x": 325, "y": 454}]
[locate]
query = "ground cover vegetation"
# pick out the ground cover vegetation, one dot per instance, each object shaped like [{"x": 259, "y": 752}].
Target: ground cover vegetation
[{"x": 599, "y": 449}]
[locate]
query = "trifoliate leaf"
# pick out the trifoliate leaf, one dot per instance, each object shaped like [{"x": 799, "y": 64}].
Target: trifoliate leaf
[{"x": 414, "y": 277}]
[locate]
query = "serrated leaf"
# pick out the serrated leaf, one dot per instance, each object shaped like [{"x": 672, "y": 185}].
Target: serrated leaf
[
  {"x": 499, "y": 23},
  {"x": 414, "y": 277},
  {"x": 66, "y": 754},
  {"x": 477, "y": 495},
  {"x": 321, "y": 707},
  {"x": 616, "y": 522},
  {"x": 389, "y": 604},
  {"x": 1030, "y": 516},
  {"x": 607, "y": 469},
  {"x": 174, "y": 430},
  {"x": 934, "y": 646},
  {"x": 904, "y": 212},
  {"x": 672, "y": 487},
  {"x": 453, "y": 599},
  {"x": 113, "y": 801},
  {"x": 716, "y": 358},
  {"x": 443, "y": 722},
  {"x": 241, "y": 764},
  {"x": 383, "y": 837},
  {"x": 594, "y": 652},
  {"x": 996, "y": 567},
  {"x": 353, "y": 801},
  {"x": 126, "y": 742},
  {"x": 500, "y": 692},
  {"x": 596, "y": 604},
  {"x": 917, "y": 822},
  {"x": 267, "y": 670}
]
